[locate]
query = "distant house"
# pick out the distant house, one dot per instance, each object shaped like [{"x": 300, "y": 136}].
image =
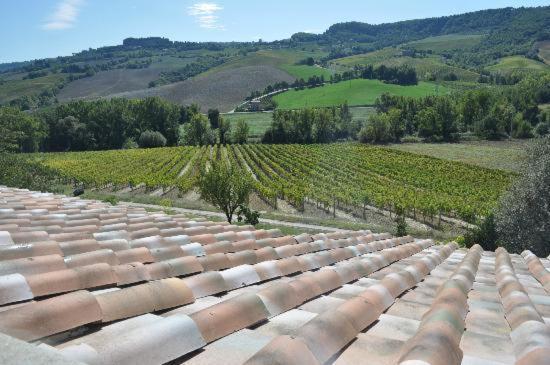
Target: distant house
[{"x": 255, "y": 105}]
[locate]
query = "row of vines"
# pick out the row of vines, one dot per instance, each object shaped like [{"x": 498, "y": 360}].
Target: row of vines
[{"x": 343, "y": 174}]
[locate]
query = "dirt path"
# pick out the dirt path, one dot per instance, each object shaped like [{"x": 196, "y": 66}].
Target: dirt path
[{"x": 206, "y": 213}]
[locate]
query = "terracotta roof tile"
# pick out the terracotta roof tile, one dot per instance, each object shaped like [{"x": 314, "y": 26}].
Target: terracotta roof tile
[
  {"x": 229, "y": 316},
  {"x": 54, "y": 315},
  {"x": 90, "y": 258},
  {"x": 207, "y": 283},
  {"x": 217, "y": 261},
  {"x": 131, "y": 273},
  {"x": 18, "y": 251},
  {"x": 342, "y": 283},
  {"x": 32, "y": 265},
  {"x": 14, "y": 288},
  {"x": 144, "y": 298},
  {"x": 84, "y": 277}
]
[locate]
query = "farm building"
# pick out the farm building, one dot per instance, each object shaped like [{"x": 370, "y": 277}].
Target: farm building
[{"x": 84, "y": 282}]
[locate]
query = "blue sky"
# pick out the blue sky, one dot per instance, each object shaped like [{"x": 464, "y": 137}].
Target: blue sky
[{"x": 33, "y": 29}]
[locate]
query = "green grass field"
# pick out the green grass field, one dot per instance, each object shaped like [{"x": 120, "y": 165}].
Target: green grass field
[
  {"x": 257, "y": 122},
  {"x": 502, "y": 155},
  {"x": 447, "y": 42},
  {"x": 509, "y": 64},
  {"x": 355, "y": 92},
  {"x": 362, "y": 113}
]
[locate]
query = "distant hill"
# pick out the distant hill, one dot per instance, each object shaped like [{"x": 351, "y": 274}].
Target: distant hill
[{"x": 221, "y": 75}]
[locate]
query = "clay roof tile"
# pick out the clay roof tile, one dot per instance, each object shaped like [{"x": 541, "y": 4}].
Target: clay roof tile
[{"x": 50, "y": 316}]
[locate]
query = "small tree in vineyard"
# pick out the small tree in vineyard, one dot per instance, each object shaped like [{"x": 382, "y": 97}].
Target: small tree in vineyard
[{"x": 224, "y": 187}]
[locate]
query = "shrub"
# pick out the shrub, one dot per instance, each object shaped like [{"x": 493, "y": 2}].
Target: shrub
[
  {"x": 129, "y": 144},
  {"x": 250, "y": 216},
  {"x": 401, "y": 226},
  {"x": 150, "y": 139},
  {"x": 522, "y": 129},
  {"x": 542, "y": 129},
  {"x": 484, "y": 235},
  {"x": 111, "y": 199}
]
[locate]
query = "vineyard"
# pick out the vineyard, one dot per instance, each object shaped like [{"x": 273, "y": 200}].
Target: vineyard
[{"x": 336, "y": 175}]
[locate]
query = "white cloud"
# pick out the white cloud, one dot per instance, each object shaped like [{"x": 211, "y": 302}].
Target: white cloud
[
  {"x": 204, "y": 13},
  {"x": 65, "y": 15}
]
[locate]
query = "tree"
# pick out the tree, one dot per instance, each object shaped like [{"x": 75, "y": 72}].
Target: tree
[
  {"x": 523, "y": 217},
  {"x": 150, "y": 139},
  {"x": 20, "y": 132},
  {"x": 224, "y": 131},
  {"x": 214, "y": 118},
  {"x": 376, "y": 130},
  {"x": 197, "y": 132},
  {"x": 427, "y": 122},
  {"x": 240, "y": 132},
  {"x": 224, "y": 187},
  {"x": 396, "y": 124}
]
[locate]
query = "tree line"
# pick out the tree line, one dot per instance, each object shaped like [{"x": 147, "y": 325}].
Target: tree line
[
  {"x": 113, "y": 124},
  {"x": 489, "y": 113},
  {"x": 311, "y": 125}
]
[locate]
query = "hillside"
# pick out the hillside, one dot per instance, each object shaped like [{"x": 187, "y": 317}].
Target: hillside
[{"x": 221, "y": 75}]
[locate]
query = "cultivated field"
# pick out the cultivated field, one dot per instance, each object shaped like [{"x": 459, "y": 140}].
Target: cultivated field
[
  {"x": 393, "y": 56},
  {"x": 512, "y": 63},
  {"x": 223, "y": 89},
  {"x": 17, "y": 87},
  {"x": 349, "y": 175},
  {"x": 110, "y": 82},
  {"x": 358, "y": 92},
  {"x": 448, "y": 42},
  {"x": 503, "y": 155}
]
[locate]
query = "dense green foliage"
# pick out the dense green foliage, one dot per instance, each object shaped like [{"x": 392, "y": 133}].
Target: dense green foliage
[
  {"x": 508, "y": 32},
  {"x": 523, "y": 219},
  {"x": 491, "y": 113},
  {"x": 17, "y": 171},
  {"x": 240, "y": 132},
  {"x": 150, "y": 139},
  {"x": 95, "y": 125},
  {"x": 225, "y": 187},
  {"x": 311, "y": 125},
  {"x": 20, "y": 132}
]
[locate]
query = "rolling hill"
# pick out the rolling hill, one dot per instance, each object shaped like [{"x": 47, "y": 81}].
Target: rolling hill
[{"x": 221, "y": 75}]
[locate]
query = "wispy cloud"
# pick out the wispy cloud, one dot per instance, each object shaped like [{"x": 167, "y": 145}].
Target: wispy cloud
[
  {"x": 64, "y": 16},
  {"x": 204, "y": 13}
]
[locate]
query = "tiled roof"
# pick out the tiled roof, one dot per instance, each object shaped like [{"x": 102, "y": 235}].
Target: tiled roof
[{"x": 85, "y": 282}]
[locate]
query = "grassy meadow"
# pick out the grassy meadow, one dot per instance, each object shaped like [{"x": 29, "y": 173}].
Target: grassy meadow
[{"x": 358, "y": 92}]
